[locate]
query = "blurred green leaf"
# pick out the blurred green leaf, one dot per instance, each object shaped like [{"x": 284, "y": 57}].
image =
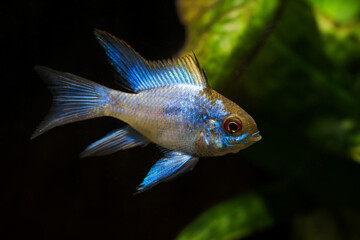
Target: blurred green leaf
[
  {"x": 338, "y": 22},
  {"x": 247, "y": 214},
  {"x": 340, "y": 11},
  {"x": 232, "y": 219},
  {"x": 355, "y": 153},
  {"x": 221, "y": 32}
]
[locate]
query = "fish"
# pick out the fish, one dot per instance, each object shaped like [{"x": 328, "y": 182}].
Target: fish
[{"x": 169, "y": 103}]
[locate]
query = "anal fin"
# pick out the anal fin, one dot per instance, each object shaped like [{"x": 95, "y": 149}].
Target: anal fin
[
  {"x": 172, "y": 165},
  {"x": 117, "y": 140}
]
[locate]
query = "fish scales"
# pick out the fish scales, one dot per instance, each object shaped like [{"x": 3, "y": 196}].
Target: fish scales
[{"x": 170, "y": 104}]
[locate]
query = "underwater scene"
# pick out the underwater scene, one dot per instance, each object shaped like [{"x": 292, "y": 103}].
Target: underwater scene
[{"x": 205, "y": 119}]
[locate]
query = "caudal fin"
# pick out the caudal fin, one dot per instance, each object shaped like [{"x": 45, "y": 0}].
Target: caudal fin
[{"x": 75, "y": 99}]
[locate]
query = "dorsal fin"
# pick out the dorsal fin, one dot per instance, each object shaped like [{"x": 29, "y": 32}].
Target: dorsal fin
[{"x": 139, "y": 74}]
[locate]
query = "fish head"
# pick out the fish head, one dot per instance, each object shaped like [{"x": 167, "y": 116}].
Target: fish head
[
  {"x": 229, "y": 132},
  {"x": 238, "y": 131}
]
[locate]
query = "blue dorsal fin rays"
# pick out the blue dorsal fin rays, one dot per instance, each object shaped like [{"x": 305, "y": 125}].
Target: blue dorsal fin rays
[
  {"x": 117, "y": 140},
  {"x": 172, "y": 165},
  {"x": 138, "y": 74}
]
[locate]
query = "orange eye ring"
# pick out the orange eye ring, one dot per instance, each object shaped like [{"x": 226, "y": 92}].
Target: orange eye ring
[{"x": 232, "y": 125}]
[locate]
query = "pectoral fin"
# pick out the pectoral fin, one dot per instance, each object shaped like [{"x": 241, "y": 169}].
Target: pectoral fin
[
  {"x": 170, "y": 166},
  {"x": 117, "y": 140}
]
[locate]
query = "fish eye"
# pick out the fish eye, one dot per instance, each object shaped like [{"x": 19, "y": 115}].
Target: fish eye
[{"x": 232, "y": 125}]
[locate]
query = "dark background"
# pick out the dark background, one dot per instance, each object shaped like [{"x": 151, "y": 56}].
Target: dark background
[{"x": 48, "y": 192}]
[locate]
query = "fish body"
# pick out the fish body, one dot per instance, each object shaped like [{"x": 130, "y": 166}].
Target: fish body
[
  {"x": 171, "y": 104},
  {"x": 179, "y": 117}
]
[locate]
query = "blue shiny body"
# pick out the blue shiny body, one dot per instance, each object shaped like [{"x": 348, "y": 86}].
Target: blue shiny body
[
  {"x": 175, "y": 118},
  {"x": 170, "y": 104}
]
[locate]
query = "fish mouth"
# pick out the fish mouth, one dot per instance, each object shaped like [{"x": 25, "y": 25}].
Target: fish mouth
[
  {"x": 255, "y": 137},
  {"x": 250, "y": 141}
]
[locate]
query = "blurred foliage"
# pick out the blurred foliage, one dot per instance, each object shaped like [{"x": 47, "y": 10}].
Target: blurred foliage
[
  {"x": 327, "y": 224},
  {"x": 221, "y": 32},
  {"x": 243, "y": 215},
  {"x": 294, "y": 65},
  {"x": 232, "y": 219}
]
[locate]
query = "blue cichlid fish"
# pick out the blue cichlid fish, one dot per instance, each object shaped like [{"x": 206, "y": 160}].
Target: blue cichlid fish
[{"x": 171, "y": 105}]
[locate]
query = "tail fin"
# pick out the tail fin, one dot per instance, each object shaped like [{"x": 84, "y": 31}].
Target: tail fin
[{"x": 75, "y": 99}]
